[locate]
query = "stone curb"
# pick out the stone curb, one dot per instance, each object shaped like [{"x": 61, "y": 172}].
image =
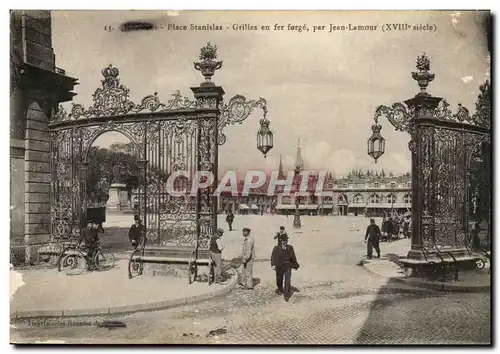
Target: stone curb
[
  {"x": 435, "y": 285},
  {"x": 161, "y": 305}
]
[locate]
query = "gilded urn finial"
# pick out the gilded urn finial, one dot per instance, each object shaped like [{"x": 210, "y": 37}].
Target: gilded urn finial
[
  {"x": 423, "y": 76},
  {"x": 208, "y": 63}
]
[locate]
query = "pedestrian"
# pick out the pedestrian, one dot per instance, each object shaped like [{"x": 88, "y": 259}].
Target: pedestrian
[
  {"x": 406, "y": 228},
  {"x": 247, "y": 259},
  {"x": 229, "y": 220},
  {"x": 136, "y": 232},
  {"x": 476, "y": 241},
  {"x": 372, "y": 236},
  {"x": 283, "y": 260},
  {"x": 216, "y": 248},
  {"x": 91, "y": 239},
  {"x": 281, "y": 233},
  {"x": 389, "y": 228}
]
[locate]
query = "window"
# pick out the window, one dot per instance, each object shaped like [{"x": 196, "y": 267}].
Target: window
[
  {"x": 391, "y": 198},
  {"x": 328, "y": 200},
  {"x": 375, "y": 199},
  {"x": 342, "y": 199},
  {"x": 285, "y": 200},
  {"x": 393, "y": 185},
  {"x": 301, "y": 199},
  {"x": 377, "y": 185},
  {"x": 358, "y": 199},
  {"x": 344, "y": 185},
  {"x": 407, "y": 198}
]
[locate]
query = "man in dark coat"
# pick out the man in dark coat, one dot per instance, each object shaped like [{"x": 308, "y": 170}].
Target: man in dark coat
[
  {"x": 390, "y": 228},
  {"x": 135, "y": 234},
  {"x": 373, "y": 237},
  {"x": 280, "y": 234},
  {"x": 229, "y": 220},
  {"x": 91, "y": 239},
  {"x": 283, "y": 260}
]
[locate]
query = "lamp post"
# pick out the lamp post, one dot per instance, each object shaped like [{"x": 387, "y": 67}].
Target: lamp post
[{"x": 296, "y": 217}]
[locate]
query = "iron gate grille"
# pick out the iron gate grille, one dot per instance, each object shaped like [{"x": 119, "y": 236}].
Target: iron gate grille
[{"x": 450, "y": 178}]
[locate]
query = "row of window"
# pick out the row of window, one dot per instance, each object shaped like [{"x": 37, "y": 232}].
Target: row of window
[
  {"x": 392, "y": 185},
  {"x": 357, "y": 199}
]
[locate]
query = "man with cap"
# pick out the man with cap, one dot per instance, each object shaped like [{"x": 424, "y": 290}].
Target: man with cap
[
  {"x": 89, "y": 235},
  {"x": 280, "y": 234},
  {"x": 216, "y": 248},
  {"x": 283, "y": 260},
  {"x": 247, "y": 258},
  {"x": 136, "y": 232},
  {"x": 373, "y": 236}
]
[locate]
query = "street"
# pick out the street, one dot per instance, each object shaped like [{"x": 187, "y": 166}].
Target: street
[{"x": 336, "y": 302}]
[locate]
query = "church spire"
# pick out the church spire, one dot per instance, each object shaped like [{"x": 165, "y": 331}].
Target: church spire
[
  {"x": 281, "y": 174},
  {"x": 299, "y": 163}
]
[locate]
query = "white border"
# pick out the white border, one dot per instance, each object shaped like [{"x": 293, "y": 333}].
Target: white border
[{"x": 185, "y": 5}]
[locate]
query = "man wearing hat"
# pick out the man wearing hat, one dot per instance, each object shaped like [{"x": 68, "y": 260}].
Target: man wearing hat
[
  {"x": 136, "y": 232},
  {"x": 373, "y": 236},
  {"x": 247, "y": 258},
  {"x": 283, "y": 260},
  {"x": 280, "y": 234},
  {"x": 216, "y": 248},
  {"x": 89, "y": 235}
]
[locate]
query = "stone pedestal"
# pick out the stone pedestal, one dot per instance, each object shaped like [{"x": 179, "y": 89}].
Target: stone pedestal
[{"x": 116, "y": 200}]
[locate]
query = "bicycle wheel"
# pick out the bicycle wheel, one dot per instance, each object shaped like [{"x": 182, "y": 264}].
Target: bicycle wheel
[
  {"x": 73, "y": 264},
  {"x": 480, "y": 264},
  {"x": 104, "y": 260}
]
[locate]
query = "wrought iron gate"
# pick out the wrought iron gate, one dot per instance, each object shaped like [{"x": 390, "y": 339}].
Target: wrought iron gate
[
  {"x": 450, "y": 162},
  {"x": 179, "y": 138}
]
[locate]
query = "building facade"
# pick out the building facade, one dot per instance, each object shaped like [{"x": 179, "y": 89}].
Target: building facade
[
  {"x": 36, "y": 89},
  {"x": 360, "y": 193}
]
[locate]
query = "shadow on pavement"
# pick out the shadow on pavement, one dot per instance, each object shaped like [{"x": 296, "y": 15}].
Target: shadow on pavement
[{"x": 426, "y": 317}]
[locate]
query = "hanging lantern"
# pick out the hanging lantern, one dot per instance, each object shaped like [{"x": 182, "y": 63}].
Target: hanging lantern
[
  {"x": 376, "y": 143},
  {"x": 264, "y": 137}
]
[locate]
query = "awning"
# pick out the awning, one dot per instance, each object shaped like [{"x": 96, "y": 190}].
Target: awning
[
  {"x": 285, "y": 206},
  {"x": 326, "y": 206},
  {"x": 243, "y": 206},
  {"x": 389, "y": 206},
  {"x": 255, "y": 207},
  {"x": 354, "y": 205}
]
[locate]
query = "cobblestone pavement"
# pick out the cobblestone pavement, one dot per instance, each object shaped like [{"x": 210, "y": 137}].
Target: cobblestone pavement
[
  {"x": 337, "y": 302},
  {"x": 326, "y": 313}
]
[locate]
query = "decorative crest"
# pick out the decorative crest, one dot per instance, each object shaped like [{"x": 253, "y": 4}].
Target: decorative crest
[
  {"x": 208, "y": 64},
  {"x": 112, "y": 99},
  {"x": 208, "y": 52},
  {"x": 423, "y": 63},
  {"x": 423, "y": 76}
]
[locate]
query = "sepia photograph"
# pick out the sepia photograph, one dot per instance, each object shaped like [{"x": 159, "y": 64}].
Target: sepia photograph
[{"x": 230, "y": 177}]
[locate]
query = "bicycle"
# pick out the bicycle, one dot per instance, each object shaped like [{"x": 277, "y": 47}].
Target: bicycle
[{"x": 74, "y": 260}]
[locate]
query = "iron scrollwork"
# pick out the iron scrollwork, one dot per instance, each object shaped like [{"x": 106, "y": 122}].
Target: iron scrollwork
[
  {"x": 236, "y": 111},
  {"x": 399, "y": 115},
  {"x": 112, "y": 99}
]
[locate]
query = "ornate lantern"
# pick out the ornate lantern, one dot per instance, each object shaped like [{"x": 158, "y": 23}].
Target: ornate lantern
[
  {"x": 376, "y": 143},
  {"x": 264, "y": 136}
]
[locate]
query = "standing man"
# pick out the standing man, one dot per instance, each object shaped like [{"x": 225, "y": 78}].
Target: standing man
[
  {"x": 216, "y": 248},
  {"x": 247, "y": 258},
  {"x": 390, "y": 229},
  {"x": 406, "y": 228},
  {"x": 135, "y": 234},
  {"x": 283, "y": 260},
  {"x": 373, "y": 236},
  {"x": 280, "y": 234},
  {"x": 229, "y": 220}
]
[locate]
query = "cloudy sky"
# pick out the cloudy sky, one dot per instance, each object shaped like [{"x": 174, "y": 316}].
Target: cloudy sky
[{"x": 321, "y": 87}]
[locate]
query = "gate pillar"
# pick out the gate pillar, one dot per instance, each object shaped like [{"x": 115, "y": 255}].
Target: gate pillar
[{"x": 209, "y": 102}]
